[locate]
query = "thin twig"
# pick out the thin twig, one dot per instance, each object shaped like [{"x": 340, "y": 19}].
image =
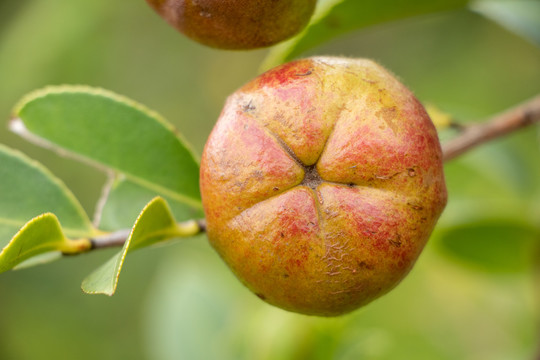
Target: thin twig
[
  {"x": 500, "y": 125},
  {"x": 114, "y": 239},
  {"x": 118, "y": 238}
]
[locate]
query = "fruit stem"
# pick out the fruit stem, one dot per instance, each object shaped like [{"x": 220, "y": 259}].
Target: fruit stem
[{"x": 472, "y": 135}]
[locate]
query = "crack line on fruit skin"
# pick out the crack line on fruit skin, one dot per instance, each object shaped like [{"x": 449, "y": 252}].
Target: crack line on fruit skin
[
  {"x": 318, "y": 200},
  {"x": 297, "y": 160},
  {"x": 304, "y": 167},
  {"x": 338, "y": 117},
  {"x": 316, "y": 194},
  {"x": 295, "y": 187},
  {"x": 287, "y": 149},
  {"x": 253, "y": 121}
]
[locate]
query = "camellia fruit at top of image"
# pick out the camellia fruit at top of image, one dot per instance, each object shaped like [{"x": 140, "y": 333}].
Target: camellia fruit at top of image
[
  {"x": 321, "y": 183},
  {"x": 236, "y": 24}
]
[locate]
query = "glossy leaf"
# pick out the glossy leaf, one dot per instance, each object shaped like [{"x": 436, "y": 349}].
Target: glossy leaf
[
  {"x": 519, "y": 16},
  {"x": 125, "y": 199},
  {"x": 154, "y": 224},
  {"x": 114, "y": 132},
  {"x": 41, "y": 235},
  {"x": 27, "y": 190},
  {"x": 336, "y": 17},
  {"x": 492, "y": 245}
]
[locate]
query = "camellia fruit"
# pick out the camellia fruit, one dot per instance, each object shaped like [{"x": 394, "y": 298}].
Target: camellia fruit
[
  {"x": 236, "y": 24},
  {"x": 321, "y": 183}
]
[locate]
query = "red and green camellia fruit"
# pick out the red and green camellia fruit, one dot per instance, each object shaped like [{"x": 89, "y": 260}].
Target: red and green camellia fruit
[
  {"x": 236, "y": 24},
  {"x": 321, "y": 183}
]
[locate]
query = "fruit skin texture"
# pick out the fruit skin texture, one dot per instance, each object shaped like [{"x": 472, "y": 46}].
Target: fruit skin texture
[
  {"x": 236, "y": 24},
  {"x": 321, "y": 183}
]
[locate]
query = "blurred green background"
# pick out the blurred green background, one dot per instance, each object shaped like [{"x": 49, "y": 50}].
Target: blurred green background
[{"x": 474, "y": 294}]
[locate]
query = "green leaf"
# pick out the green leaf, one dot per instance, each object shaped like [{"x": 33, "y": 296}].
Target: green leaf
[
  {"x": 41, "y": 235},
  {"x": 519, "y": 16},
  {"x": 27, "y": 190},
  {"x": 114, "y": 132},
  {"x": 125, "y": 198},
  {"x": 336, "y": 17},
  {"x": 154, "y": 224},
  {"x": 495, "y": 245}
]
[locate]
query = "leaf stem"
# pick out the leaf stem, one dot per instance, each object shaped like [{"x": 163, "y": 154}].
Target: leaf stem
[
  {"x": 113, "y": 239},
  {"x": 118, "y": 238},
  {"x": 76, "y": 246},
  {"x": 476, "y": 134}
]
